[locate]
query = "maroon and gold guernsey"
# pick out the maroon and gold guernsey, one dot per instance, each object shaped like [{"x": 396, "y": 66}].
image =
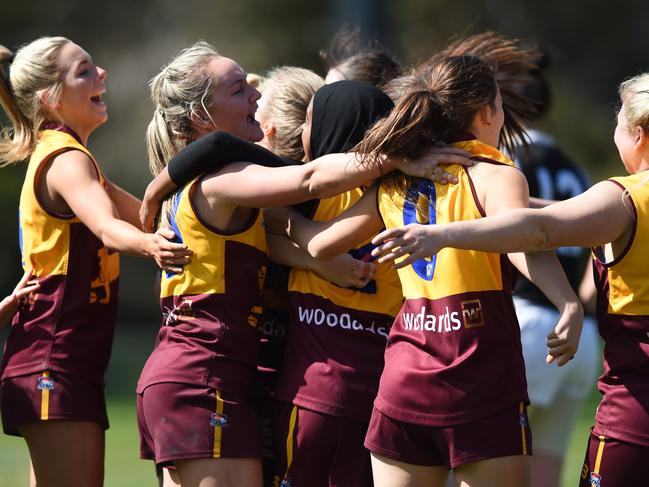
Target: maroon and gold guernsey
[
  {"x": 68, "y": 325},
  {"x": 623, "y": 317},
  {"x": 454, "y": 352},
  {"x": 211, "y": 311},
  {"x": 336, "y": 337}
]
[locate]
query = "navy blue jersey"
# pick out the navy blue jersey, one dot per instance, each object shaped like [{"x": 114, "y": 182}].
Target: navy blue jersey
[{"x": 552, "y": 175}]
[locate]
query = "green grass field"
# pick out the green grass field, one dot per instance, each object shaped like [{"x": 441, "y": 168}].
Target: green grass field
[{"x": 123, "y": 466}]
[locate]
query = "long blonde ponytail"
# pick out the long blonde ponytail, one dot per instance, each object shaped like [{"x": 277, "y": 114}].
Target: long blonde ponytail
[
  {"x": 180, "y": 91},
  {"x": 24, "y": 77}
]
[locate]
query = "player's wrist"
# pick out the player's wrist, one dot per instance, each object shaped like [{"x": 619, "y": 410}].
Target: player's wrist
[{"x": 573, "y": 307}]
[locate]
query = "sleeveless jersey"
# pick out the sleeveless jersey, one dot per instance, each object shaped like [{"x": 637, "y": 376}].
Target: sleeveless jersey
[
  {"x": 211, "y": 311},
  {"x": 454, "y": 352},
  {"x": 336, "y": 338},
  {"x": 623, "y": 318},
  {"x": 552, "y": 176},
  {"x": 68, "y": 325}
]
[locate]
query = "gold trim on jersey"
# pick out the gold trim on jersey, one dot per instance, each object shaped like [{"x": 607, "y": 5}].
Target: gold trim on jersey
[
  {"x": 44, "y": 235},
  {"x": 205, "y": 274},
  {"x": 480, "y": 150},
  {"x": 627, "y": 274}
]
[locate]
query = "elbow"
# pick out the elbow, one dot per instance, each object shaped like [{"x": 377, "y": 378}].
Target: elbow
[
  {"x": 108, "y": 237},
  {"x": 543, "y": 235},
  {"x": 105, "y": 238},
  {"x": 318, "y": 190},
  {"x": 532, "y": 233},
  {"x": 539, "y": 240},
  {"x": 319, "y": 251},
  {"x": 316, "y": 251},
  {"x": 318, "y": 184}
]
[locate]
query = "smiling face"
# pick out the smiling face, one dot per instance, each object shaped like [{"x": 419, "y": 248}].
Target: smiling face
[
  {"x": 83, "y": 83},
  {"x": 231, "y": 103}
]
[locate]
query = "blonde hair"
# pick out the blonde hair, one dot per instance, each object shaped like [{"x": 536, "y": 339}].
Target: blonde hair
[
  {"x": 24, "y": 77},
  {"x": 257, "y": 81},
  {"x": 288, "y": 91},
  {"x": 634, "y": 93},
  {"x": 181, "y": 90}
]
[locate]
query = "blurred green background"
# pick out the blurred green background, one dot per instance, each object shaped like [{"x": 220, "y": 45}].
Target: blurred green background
[{"x": 594, "y": 45}]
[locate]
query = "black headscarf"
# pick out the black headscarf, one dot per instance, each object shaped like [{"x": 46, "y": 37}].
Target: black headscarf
[{"x": 342, "y": 113}]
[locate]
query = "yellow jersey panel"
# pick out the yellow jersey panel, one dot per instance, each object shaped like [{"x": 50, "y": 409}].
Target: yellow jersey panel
[
  {"x": 205, "y": 274},
  {"x": 45, "y": 236},
  {"x": 384, "y": 297},
  {"x": 627, "y": 274},
  {"x": 437, "y": 277}
]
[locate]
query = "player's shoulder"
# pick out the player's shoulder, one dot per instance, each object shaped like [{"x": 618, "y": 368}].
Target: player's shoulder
[
  {"x": 498, "y": 171},
  {"x": 72, "y": 165}
]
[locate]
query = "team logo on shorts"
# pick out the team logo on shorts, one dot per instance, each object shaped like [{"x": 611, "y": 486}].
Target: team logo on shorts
[
  {"x": 286, "y": 482},
  {"x": 218, "y": 420},
  {"x": 595, "y": 479},
  {"x": 45, "y": 383},
  {"x": 522, "y": 420}
]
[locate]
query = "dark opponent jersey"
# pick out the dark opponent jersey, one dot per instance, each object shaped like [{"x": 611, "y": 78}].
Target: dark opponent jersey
[{"x": 552, "y": 176}]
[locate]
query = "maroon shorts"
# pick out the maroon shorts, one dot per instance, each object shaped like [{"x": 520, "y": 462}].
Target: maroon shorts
[
  {"x": 49, "y": 396},
  {"x": 180, "y": 421},
  {"x": 318, "y": 450},
  {"x": 505, "y": 433},
  {"x": 264, "y": 404},
  {"x": 614, "y": 463}
]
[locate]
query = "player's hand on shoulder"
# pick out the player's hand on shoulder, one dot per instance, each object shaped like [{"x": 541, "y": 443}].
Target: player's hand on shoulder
[{"x": 428, "y": 167}]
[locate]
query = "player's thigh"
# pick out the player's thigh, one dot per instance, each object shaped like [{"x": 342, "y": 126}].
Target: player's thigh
[
  {"x": 614, "y": 463},
  {"x": 220, "y": 472},
  {"x": 305, "y": 445},
  {"x": 168, "y": 477},
  {"x": 513, "y": 471},
  {"x": 66, "y": 453},
  {"x": 388, "y": 472}
]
